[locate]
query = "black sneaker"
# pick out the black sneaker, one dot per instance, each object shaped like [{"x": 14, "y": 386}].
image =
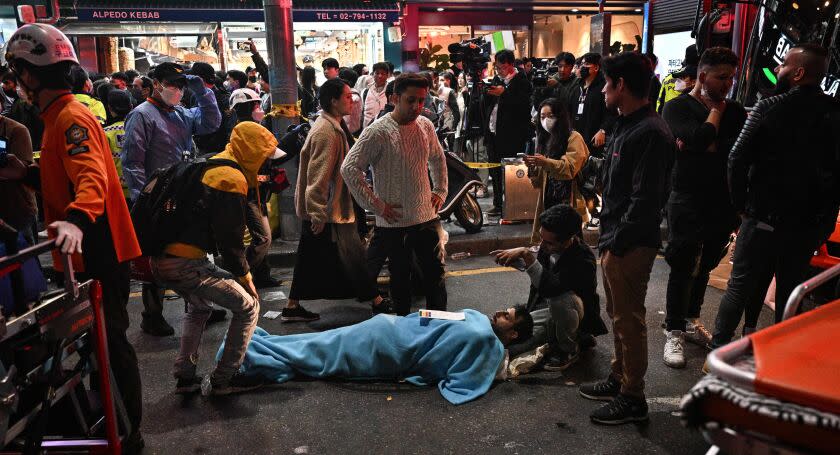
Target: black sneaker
[
  {"x": 236, "y": 384},
  {"x": 386, "y": 306},
  {"x": 586, "y": 342},
  {"x": 186, "y": 386},
  {"x": 298, "y": 314},
  {"x": 623, "y": 409},
  {"x": 156, "y": 326},
  {"x": 217, "y": 315},
  {"x": 603, "y": 391},
  {"x": 560, "y": 361},
  {"x": 268, "y": 282}
]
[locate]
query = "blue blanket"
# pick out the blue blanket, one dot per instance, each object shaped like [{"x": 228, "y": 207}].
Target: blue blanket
[{"x": 461, "y": 357}]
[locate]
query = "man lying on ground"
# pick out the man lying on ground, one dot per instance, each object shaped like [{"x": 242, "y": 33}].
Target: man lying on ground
[{"x": 462, "y": 357}]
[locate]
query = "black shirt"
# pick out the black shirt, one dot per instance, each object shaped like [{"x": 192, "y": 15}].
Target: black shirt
[
  {"x": 700, "y": 168},
  {"x": 637, "y": 158}
]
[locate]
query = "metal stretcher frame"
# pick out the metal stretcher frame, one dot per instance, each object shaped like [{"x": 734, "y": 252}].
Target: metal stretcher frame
[
  {"x": 721, "y": 363},
  {"x": 108, "y": 392},
  {"x": 721, "y": 359}
]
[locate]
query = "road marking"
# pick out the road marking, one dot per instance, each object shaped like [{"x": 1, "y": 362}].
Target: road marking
[{"x": 480, "y": 271}]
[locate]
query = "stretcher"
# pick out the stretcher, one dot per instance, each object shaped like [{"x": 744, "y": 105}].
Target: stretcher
[
  {"x": 57, "y": 393},
  {"x": 778, "y": 390}
]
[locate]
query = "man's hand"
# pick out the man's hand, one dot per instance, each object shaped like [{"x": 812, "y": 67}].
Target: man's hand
[
  {"x": 508, "y": 257},
  {"x": 68, "y": 237},
  {"x": 496, "y": 90},
  {"x": 599, "y": 139},
  {"x": 552, "y": 82},
  {"x": 391, "y": 214},
  {"x": 15, "y": 169},
  {"x": 250, "y": 288},
  {"x": 318, "y": 228},
  {"x": 195, "y": 83},
  {"x": 680, "y": 144},
  {"x": 252, "y": 47},
  {"x": 437, "y": 202},
  {"x": 536, "y": 160}
]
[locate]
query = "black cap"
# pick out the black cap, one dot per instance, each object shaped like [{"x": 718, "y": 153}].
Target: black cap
[
  {"x": 204, "y": 71},
  {"x": 249, "y": 69},
  {"x": 168, "y": 72},
  {"x": 688, "y": 70},
  {"x": 119, "y": 101}
]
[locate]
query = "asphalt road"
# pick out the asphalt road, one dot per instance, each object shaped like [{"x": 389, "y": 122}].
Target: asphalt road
[{"x": 540, "y": 413}]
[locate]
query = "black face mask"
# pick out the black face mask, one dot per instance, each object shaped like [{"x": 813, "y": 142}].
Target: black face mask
[
  {"x": 252, "y": 79},
  {"x": 584, "y": 72}
]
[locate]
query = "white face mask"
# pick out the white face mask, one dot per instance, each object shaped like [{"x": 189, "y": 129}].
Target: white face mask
[
  {"x": 680, "y": 85},
  {"x": 171, "y": 96},
  {"x": 258, "y": 114},
  {"x": 548, "y": 123}
]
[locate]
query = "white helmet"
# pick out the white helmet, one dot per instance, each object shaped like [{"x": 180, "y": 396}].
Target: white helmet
[
  {"x": 243, "y": 95},
  {"x": 40, "y": 45}
]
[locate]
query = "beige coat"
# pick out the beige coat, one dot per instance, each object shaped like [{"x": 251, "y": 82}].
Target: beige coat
[
  {"x": 564, "y": 168},
  {"x": 320, "y": 194}
]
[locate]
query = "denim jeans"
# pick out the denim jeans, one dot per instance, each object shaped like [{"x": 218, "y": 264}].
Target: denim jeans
[{"x": 200, "y": 282}]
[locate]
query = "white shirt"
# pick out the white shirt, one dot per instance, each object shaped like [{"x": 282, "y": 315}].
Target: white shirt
[{"x": 375, "y": 101}]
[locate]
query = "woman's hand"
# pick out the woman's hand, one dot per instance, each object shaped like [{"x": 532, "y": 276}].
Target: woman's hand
[{"x": 536, "y": 160}]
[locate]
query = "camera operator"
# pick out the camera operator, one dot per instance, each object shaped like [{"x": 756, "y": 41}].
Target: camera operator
[{"x": 510, "y": 122}]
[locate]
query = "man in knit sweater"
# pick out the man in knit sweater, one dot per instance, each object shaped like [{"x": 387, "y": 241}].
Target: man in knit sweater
[{"x": 402, "y": 149}]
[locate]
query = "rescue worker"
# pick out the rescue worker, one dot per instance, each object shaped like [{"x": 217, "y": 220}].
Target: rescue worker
[
  {"x": 82, "y": 88},
  {"x": 159, "y": 133},
  {"x": 83, "y": 203},
  {"x": 119, "y": 105}
]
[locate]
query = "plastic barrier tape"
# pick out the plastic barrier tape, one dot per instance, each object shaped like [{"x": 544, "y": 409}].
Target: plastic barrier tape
[{"x": 483, "y": 165}]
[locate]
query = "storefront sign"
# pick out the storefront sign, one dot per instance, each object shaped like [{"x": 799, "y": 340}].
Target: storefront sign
[{"x": 229, "y": 15}]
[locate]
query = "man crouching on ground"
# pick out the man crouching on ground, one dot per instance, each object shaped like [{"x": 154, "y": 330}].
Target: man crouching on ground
[
  {"x": 185, "y": 268},
  {"x": 563, "y": 300}
]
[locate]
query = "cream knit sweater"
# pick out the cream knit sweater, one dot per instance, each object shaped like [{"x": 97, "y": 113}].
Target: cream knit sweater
[{"x": 401, "y": 156}]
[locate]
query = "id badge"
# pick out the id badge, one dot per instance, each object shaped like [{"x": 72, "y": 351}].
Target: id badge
[{"x": 580, "y": 109}]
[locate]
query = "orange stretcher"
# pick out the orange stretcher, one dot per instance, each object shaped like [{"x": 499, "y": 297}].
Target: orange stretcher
[{"x": 778, "y": 390}]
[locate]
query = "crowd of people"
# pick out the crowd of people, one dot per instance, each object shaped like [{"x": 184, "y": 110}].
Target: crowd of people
[{"x": 610, "y": 146}]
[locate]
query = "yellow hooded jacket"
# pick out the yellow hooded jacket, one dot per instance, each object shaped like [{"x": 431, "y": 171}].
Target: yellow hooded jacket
[{"x": 227, "y": 189}]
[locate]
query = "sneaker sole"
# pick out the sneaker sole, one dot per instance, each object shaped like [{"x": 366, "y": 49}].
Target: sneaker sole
[
  {"x": 644, "y": 418},
  {"x": 297, "y": 319},
  {"x": 561, "y": 368},
  {"x": 674, "y": 366},
  {"x": 596, "y": 397}
]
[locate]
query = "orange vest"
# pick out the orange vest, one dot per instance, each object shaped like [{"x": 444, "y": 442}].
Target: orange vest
[{"x": 78, "y": 173}]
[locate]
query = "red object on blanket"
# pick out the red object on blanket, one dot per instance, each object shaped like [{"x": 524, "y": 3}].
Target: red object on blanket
[{"x": 798, "y": 360}]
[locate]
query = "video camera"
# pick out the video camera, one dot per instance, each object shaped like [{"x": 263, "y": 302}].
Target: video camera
[
  {"x": 475, "y": 53},
  {"x": 543, "y": 69}
]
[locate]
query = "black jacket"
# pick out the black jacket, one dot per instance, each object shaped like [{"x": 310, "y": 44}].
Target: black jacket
[
  {"x": 595, "y": 115},
  {"x": 699, "y": 176},
  {"x": 574, "y": 270},
  {"x": 513, "y": 118},
  {"x": 638, "y": 154},
  {"x": 784, "y": 169},
  {"x": 29, "y": 116},
  {"x": 216, "y": 141}
]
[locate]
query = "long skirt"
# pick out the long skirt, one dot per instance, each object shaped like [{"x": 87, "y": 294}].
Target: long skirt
[{"x": 331, "y": 265}]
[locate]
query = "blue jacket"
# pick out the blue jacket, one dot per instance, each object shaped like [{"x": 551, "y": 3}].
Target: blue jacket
[{"x": 156, "y": 136}]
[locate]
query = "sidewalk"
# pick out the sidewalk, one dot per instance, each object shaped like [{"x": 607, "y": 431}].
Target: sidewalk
[{"x": 492, "y": 236}]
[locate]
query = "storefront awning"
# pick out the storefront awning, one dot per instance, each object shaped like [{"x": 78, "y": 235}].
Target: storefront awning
[{"x": 224, "y": 10}]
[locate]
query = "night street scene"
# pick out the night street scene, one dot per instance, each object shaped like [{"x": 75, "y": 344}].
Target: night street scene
[{"x": 419, "y": 227}]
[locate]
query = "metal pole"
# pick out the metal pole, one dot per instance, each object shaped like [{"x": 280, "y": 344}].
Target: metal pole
[{"x": 279, "y": 33}]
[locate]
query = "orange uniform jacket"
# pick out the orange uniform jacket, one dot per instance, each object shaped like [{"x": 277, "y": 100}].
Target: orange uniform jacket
[{"x": 79, "y": 182}]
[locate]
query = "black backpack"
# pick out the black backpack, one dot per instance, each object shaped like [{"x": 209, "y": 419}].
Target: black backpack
[{"x": 171, "y": 201}]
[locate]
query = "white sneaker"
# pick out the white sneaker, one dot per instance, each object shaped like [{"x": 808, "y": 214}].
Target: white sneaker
[
  {"x": 697, "y": 333},
  {"x": 674, "y": 355}
]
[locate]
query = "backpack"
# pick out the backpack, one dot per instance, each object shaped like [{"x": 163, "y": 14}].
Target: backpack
[{"x": 171, "y": 200}]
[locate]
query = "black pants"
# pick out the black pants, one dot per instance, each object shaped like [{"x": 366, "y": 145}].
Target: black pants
[
  {"x": 759, "y": 253},
  {"x": 115, "y": 293},
  {"x": 696, "y": 243},
  {"x": 401, "y": 245},
  {"x": 256, "y": 221},
  {"x": 500, "y": 148}
]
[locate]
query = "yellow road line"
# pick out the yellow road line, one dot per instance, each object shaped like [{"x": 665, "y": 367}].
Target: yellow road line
[{"x": 479, "y": 271}]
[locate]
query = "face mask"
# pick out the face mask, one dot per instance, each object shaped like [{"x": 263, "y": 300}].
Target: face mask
[
  {"x": 171, "y": 96},
  {"x": 548, "y": 123},
  {"x": 584, "y": 72},
  {"x": 252, "y": 79},
  {"x": 258, "y": 115},
  {"x": 680, "y": 85},
  {"x": 231, "y": 86}
]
